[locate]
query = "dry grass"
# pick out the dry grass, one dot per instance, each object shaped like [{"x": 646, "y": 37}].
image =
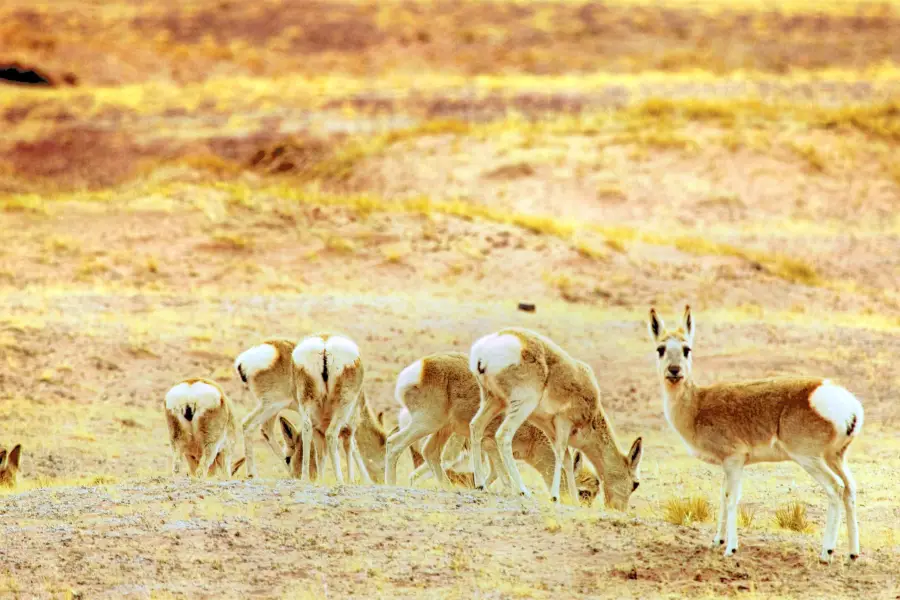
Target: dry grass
[
  {"x": 686, "y": 511},
  {"x": 792, "y": 517}
]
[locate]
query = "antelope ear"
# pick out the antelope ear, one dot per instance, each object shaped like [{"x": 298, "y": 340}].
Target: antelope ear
[
  {"x": 2, "y": 458},
  {"x": 577, "y": 462},
  {"x": 287, "y": 430},
  {"x": 635, "y": 454},
  {"x": 688, "y": 324},
  {"x": 655, "y": 325},
  {"x": 237, "y": 465},
  {"x": 12, "y": 462},
  {"x": 380, "y": 418}
]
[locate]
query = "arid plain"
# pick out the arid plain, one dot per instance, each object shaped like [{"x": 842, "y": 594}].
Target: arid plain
[{"x": 204, "y": 175}]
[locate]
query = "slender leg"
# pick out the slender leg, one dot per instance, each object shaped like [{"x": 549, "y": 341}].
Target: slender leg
[
  {"x": 834, "y": 488},
  {"x": 256, "y": 418},
  {"x": 559, "y": 442},
  {"x": 225, "y": 467},
  {"x": 352, "y": 465},
  {"x": 432, "y": 453},
  {"x": 569, "y": 465},
  {"x": 176, "y": 461},
  {"x": 839, "y": 466},
  {"x": 495, "y": 462},
  {"x": 522, "y": 402},
  {"x": 723, "y": 511},
  {"x": 319, "y": 441},
  {"x": 268, "y": 433},
  {"x": 306, "y": 439},
  {"x": 454, "y": 453},
  {"x": 207, "y": 458},
  {"x": 423, "y": 471},
  {"x": 363, "y": 469},
  {"x": 397, "y": 444},
  {"x": 734, "y": 468},
  {"x": 487, "y": 411}
]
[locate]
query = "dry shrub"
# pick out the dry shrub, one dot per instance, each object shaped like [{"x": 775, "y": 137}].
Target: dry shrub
[
  {"x": 746, "y": 516},
  {"x": 684, "y": 511},
  {"x": 792, "y": 517}
]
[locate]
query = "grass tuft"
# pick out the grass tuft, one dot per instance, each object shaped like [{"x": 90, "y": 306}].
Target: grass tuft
[
  {"x": 685, "y": 511},
  {"x": 792, "y": 517}
]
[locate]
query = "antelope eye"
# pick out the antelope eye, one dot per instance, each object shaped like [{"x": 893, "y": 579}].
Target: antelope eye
[
  {"x": 687, "y": 351},
  {"x": 636, "y": 484},
  {"x": 287, "y": 460},
  {"x": 661, "y": 350}
]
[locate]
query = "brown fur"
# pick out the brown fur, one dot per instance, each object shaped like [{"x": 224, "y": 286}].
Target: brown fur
[
  {"x": 273, "y": 389},
  {"x": 9, "y": 466},
  {"x": 211, "y": 426},
  {"x": 443, "y": 403},
  {"x": 565, "y": 397},
  {"x": 737, "y": 424},
  {"x": 331, "y": 409}
]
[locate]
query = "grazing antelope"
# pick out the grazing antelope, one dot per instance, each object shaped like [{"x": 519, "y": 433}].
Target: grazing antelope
[
  {"x": 9, "y": 466},
  {"x": 267, "y": 370},
  {"x": 203, "y": 429},
  {"x": 328, "y": 378},
  {"x": 531, "y": 378},
  {"x": 370, "y": 436},
  {"x": 441, "y": 395},
  {"x": 809, "y": 421}
]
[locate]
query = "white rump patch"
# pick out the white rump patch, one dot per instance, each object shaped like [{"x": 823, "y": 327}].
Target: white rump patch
[
  {"x": 201, "y": 396},
  {"x": 409, "y": 377},
  {"x": 495, "y": 352},
  {"x": 837, "y": 405},
  {"x": 342, "y": 353},
  {"x": 310, "y": 356},
  {"x": 256, "y": 359}
]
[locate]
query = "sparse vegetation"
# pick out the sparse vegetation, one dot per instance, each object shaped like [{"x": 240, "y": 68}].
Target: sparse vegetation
[
  {"x": 792, "y": 517},
  {"x": 198, "y": 178},
  {"x": 685, "y": 511}
]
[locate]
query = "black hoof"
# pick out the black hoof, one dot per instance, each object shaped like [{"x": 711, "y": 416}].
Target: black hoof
[
  {"x": 554, "y": 499},
  {"x": 721, "y": 542},
  {"x": 523, "y": 494},
  {"x": 854, "y": 556},
  {"x": 830, "y": 552},
  {"x": 479, "y": 487}
]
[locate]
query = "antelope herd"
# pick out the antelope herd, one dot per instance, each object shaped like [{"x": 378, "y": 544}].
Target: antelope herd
[{"x": 516, "y": 396}]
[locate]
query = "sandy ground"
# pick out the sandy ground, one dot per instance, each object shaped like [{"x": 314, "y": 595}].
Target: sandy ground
[{"x": 204, "y": 177}]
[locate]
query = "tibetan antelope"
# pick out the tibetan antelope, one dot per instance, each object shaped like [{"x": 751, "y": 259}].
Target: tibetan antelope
[
  {"x": 370, "y": 436},
  {"x": 809, "y": 421},
  {"x": 9, "y": 466},
  {"x": 267, "y": 371},
  {"x": 320, "y": 378},
  {"x": 529, "y": 377},
  {"x": 203, "y": 429},
  {"x": 441, "y": 395}
]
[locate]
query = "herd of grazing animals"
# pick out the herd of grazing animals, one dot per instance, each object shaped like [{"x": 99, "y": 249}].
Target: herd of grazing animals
[{"x": 516, "y": 396}]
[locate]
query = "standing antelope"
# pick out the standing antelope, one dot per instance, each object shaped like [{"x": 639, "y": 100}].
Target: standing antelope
[
  {"x": 532, "y": 378},
  {"x": 9, "y": 466},
  {"x": 203, "y": 429},
  {"x": 441, "y": 395},
  {"x": 809, "y": 421}
]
